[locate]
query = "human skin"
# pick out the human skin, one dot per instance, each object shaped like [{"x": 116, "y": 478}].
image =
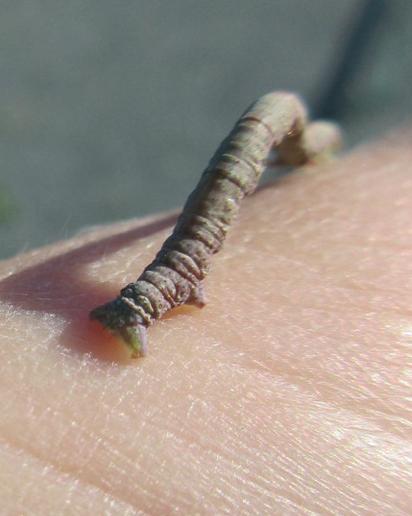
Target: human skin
[{"x": 287, "y": 393}]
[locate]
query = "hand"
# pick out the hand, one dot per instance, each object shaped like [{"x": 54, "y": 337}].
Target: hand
[{"x": 287, "y": 393}]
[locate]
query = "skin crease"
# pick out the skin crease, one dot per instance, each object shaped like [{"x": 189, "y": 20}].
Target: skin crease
[{"x": 287, "y": 394}]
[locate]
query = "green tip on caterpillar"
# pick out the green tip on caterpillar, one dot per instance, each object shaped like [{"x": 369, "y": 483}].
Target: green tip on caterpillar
[
  {"x": 135, "y": 338},
  {"x": 117, "y": 317}
]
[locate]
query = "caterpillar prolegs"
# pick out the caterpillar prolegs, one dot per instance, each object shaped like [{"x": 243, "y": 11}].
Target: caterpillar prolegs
[{"x": 275, "y": 121}]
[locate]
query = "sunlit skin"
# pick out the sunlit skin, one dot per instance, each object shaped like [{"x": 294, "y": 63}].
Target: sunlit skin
[{"x": 287, "y": 393}]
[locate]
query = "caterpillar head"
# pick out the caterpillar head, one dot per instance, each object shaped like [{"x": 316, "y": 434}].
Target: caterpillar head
[{"x": 119, "y": 318}]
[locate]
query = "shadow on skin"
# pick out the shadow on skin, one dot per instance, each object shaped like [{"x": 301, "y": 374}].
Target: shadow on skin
[{"x": 56, "y": 287}]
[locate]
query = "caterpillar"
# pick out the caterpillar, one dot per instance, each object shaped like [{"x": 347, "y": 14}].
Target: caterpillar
[{"x": 277, "y": 121}]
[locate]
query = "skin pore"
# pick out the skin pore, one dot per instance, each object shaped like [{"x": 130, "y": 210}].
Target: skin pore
[{"x": 287, "y": 393}]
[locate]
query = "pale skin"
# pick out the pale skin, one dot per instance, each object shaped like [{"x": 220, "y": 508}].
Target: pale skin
[{"x": 287, "y": 393}]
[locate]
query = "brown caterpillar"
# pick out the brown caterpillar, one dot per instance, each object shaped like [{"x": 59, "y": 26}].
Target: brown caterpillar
[{"x": 275, "y": 121}]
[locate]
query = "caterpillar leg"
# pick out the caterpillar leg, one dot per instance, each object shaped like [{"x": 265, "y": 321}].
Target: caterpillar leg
[
  {"x": 197, "y": 297},
  {"x": 318, "y": 140},
  {"x": 321, "y": 139}
]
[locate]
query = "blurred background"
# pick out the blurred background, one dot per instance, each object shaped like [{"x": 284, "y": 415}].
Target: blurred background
[{"x": 111, "y": 110}]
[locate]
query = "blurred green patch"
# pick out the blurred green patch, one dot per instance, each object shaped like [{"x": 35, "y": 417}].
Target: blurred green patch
[{"x": 8, "y": 209}]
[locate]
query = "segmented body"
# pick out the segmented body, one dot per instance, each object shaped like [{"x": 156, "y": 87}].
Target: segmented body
[{"x": 276, "y": 120}]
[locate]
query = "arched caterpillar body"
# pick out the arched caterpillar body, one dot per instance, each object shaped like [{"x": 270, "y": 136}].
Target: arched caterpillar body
[{"x": 275, "y": 121}]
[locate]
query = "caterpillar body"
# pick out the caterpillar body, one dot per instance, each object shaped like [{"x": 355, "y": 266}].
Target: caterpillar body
[{"x": 275, "y": 121}]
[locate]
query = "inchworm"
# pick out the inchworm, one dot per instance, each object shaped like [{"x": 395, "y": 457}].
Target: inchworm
[{"x": 275, "y": 121}]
